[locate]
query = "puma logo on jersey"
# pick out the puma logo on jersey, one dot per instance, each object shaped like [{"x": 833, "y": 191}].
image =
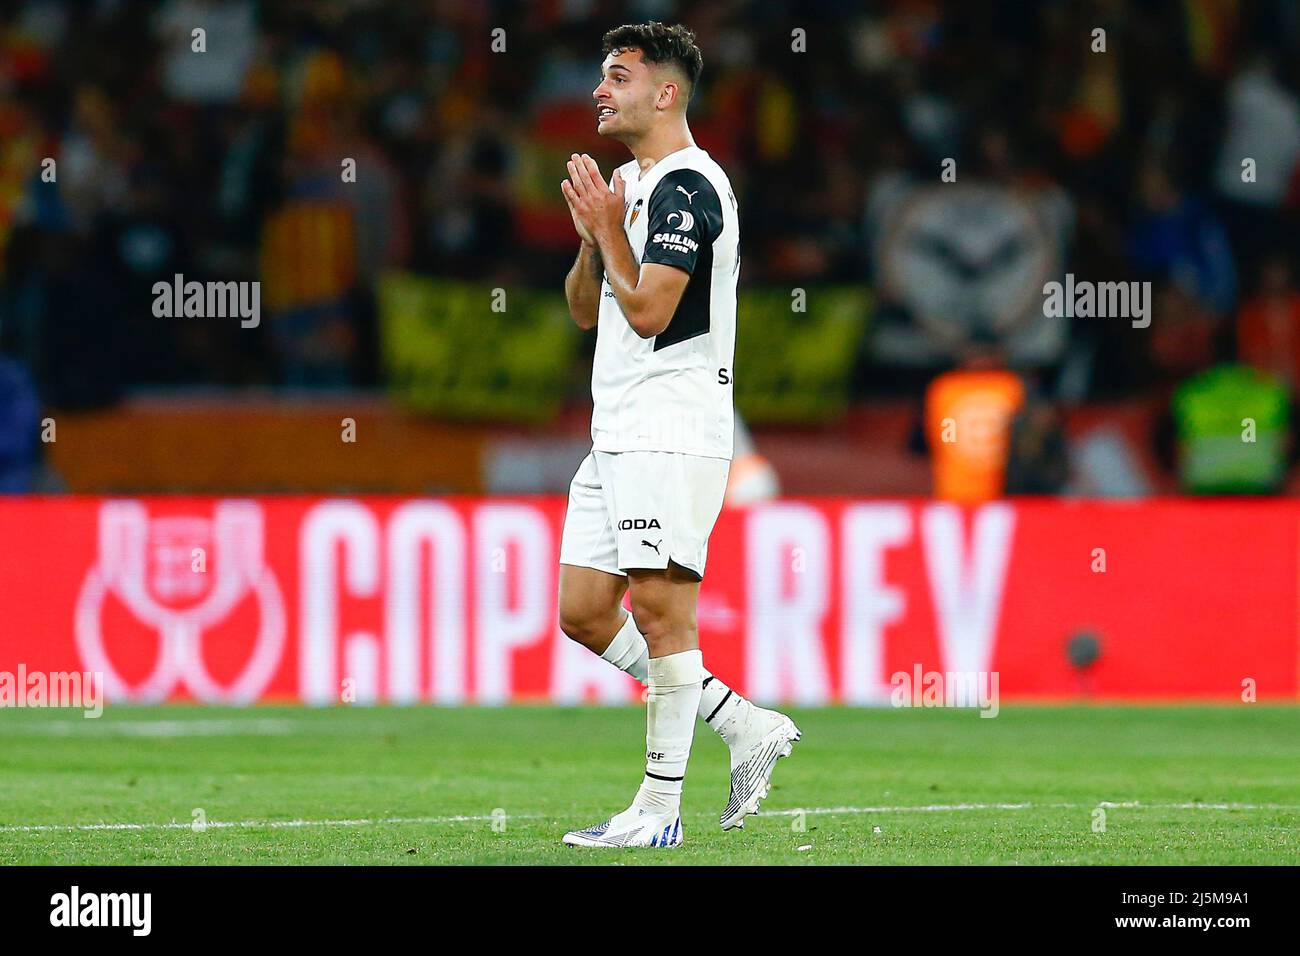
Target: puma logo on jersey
[
  {"x": 689, "y": 196},
  {"x": 655, "y": 546}
]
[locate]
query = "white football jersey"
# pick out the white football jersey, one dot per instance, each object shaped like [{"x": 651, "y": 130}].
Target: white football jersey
[{"x": 673, "y": 392}]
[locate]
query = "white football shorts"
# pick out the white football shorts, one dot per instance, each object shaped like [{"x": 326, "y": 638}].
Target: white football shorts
[{"x": 641, "y": 509}]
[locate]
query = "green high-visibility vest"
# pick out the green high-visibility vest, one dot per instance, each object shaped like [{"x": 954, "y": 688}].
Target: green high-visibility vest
[{"x": 1232, "y": 425}]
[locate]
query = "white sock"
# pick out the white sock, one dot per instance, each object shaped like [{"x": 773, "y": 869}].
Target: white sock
[
  {"x": 670, "y": 726},
  {"x": 718, "y": 702},
  {"x": 628, "y": 651}
]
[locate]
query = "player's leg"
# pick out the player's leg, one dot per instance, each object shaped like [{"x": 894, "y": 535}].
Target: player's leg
[
  {"x": 663, "y": 606},
  {"x": 756, "y": 737},
  {"x": 591, "y": 607},
  {"x": 668, "y": 506},
  {"x": 591, "y": 584},
  {"x": 663, "y": 609},
  {"x": 642, "y": 497},
  {"x": 591, "y": 595},
  {"x": 591, "y": 614}
]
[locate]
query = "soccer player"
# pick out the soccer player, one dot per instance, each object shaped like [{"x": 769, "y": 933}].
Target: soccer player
[{"x": 656, "y": 276}]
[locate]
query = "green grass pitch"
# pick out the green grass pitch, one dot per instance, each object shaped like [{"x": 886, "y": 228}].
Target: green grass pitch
[{"x": 421, "y": 785}]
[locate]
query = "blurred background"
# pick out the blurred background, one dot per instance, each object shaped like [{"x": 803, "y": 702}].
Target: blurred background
[
  {"x": 359, "y": 498},
  {"x": 424, "y": 299},
  {"x": 912, "y": 178}
]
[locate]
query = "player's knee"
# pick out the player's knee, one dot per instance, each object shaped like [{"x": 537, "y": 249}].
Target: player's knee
[{"x": 659, "y": 624}]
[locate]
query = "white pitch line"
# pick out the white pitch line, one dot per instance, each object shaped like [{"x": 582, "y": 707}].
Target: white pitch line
[
  {"x": 483, "y": 818},
  {"x": 936, "y": 808},
  {"x": 169, "y": 728},
  {"x": 1106, "y": 804},
  {"x": 1135, "y": 804},
  {"x": 246, "y": 824}
]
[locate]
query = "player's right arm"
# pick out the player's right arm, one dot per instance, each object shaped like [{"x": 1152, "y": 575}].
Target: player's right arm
[{"x": 582, "y": 286}]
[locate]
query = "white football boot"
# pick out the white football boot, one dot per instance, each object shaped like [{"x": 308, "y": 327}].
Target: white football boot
[
  {"x": 759, "y": 739},
  {"x": 632, "y": 827}
]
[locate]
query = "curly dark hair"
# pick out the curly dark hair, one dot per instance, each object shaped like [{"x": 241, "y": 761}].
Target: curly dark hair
[{"x": 659, "y": 44}]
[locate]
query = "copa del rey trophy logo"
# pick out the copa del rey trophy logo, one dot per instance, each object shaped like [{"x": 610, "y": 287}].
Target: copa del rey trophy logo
[{"x": 146, "y": 565}]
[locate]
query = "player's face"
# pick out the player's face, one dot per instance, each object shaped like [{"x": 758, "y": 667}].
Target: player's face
[{"x": 625, "y": 98}]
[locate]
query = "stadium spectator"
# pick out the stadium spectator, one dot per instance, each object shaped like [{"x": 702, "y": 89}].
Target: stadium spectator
[
  {"x": 1268, "y": 329},
  {"x": 1183, "y": 337},
  {"x": 1175, "y": 236},
  {"x": 19, "y": 421},
  {"x": 229, "y": 46},
  {"x": 1037, "y": 456},
  {"x": 967, "y": 422},
  {"x": 468, "y": 200},
  {"x": 311, "y": 252},
  {"x": 1263, "y": 133},
  {"x": 1230, "y": 432}
]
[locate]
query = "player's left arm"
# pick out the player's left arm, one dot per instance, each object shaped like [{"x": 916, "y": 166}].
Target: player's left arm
[
  {"x": 683, "y": 215},
  {"x": 648, "y": 294}
]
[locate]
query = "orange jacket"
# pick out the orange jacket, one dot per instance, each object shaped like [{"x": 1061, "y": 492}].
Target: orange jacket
[{"x": 967, "y": 426}]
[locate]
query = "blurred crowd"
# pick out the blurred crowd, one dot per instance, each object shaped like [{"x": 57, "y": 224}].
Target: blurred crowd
[{"x": 952, "y": 156}]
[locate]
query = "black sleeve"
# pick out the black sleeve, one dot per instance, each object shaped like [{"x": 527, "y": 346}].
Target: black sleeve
[{"x": 685, "y": 219}]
